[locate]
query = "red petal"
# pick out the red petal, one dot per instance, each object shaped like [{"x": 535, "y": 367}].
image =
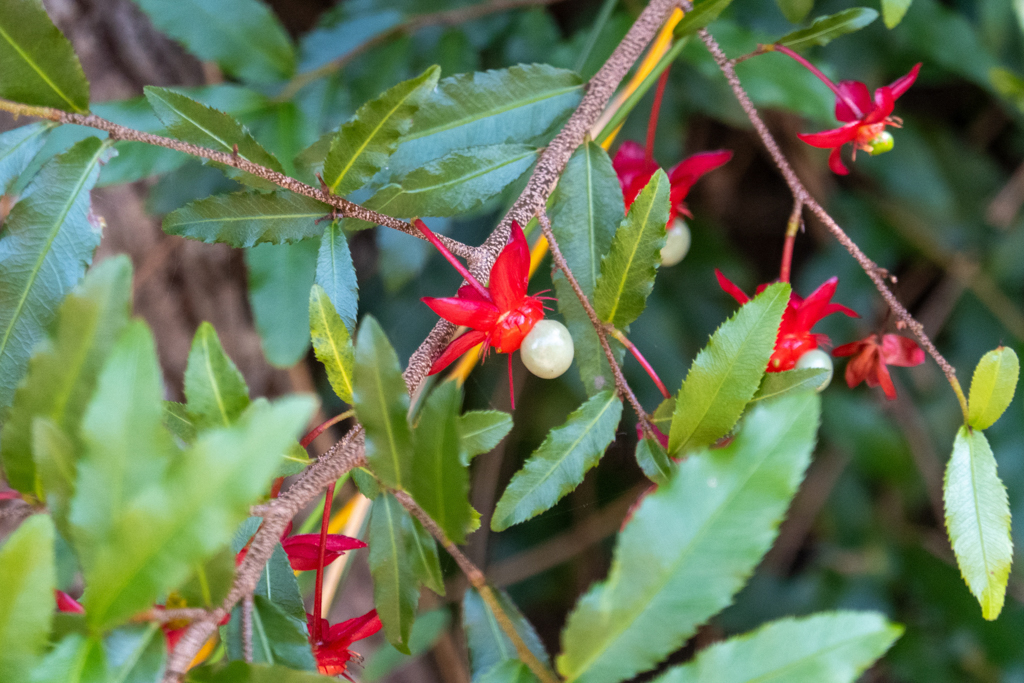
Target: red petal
[
  {"x": 902, "y": 84},
  {"x": 731, "y": 289},
  {"x": 882, "y": 378},
  {"x": 839, "y": 308},
  {"x": 831, "y": 138},
  {"x": 456, "y": 349},
  {"x": 835, "y": 163},
  {"x": 470, "y": 292},
  {"x": 350, "y": 631},
  {"x": 633, "y": 168},
  {"x": 884, "y": 104},
  {"x": 480, "y": 315},
  {"x": 66, "y": 603},
  {"x": 859, "y": 94},
  {"x": 511, "y": 272},
  {"x": 901, "y": 351},
  {"x": 683, "y": 175},
  {"x": 813, "y": 307},
  {"x": 853, "y": 347},
  {"x": 861, "y": 367},
  {"x": 304, "y": 550}
]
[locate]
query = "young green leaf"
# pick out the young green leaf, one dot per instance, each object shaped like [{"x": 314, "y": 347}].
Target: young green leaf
[
  {"x": 215, "y": 389},
  {"x": 488, "y": 644},
  {"x": 482, "y": 430},
  {"x": 75, "y": 658},
  {"x": 362, "y": 146},
  {"x": 26, "y": 601},
  {"x": 559, "y": 464},
  {"x": 243, "y": 37},
  {"x": 38, "y": 66},
  {"x": 702, "y": 14},
  {"x": 336, "y": 274},
  {"x": 245, "y": 219},
  {"x": 978, "y": 519},
  {"x": 62, "y": 371},
  {"x": 440, "y": 479},
  {"x": 381, "y": 404},
  {"x": 727, "y": 372},
  {"x": 422, "y": 548},
  {"x": 667, "y": 578},
  {"x": 893, "y": 12},
  {"x": 653, "y": 460},
  {"x": 395, "y": 589},
  {"x": 779, "y": 383},
  {"x": 331, "y": 343},
  {"x": 56, "y": 458},
  {"x": 992, "y": 387},
  {"x": 628, "y": 270},
  {"x": 833, "y": 646},
  {"x": 825, "y": 29},
  {"x": 277, "y": 638},
  {"x": 280, "y": 276},
  {"x": 18, "y": 148},
  {"x": 795, "y": 11},
  {"x": 47, "y": 241},
  {"x": 136, "y": 654},
  {"x": 178, "y": 422}
]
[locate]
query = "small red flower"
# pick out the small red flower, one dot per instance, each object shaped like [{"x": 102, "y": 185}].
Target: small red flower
[
  {"x": 865, "y": 119},
  {"x": 635, "y": 170},
  {"x": 303, "y": 550},
  {"x": 871, "y": 358},
  {"x": 332, "y": 652},
  {"x": 795, "y": 336},
  {"x": 66, "y": 603}
]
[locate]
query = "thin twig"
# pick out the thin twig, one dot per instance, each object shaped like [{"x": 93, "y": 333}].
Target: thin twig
[
  {"x": 163, "y": 616},
  {"x": 247, "y": 628}
]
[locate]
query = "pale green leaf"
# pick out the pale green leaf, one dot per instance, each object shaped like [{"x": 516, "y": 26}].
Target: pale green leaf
[
  {"x": 241, "y": 672},
  {"x": 702, "y": 14},
  {"x": 893, "y": 11},
  {"x": 978, "y": 519},
  {"x": 825, "y": 29},
  {"x": 779, "y": 383},
  {"x": 727, "y": 372},
  {"x": 559, "y": 464},
  {"x": 336, "y": 274},
  {"x": 653, "y": 460},
  {"x": 690, "y": 546},
  {"x": 245, "y": 219},
  {"x": 28, "y": 578},
  {"x": 216, "y": 391},
  {"x": 795, "y": 11},
  {"x": 75, "y": 659},
  {"x": 280, "y": 276},
  {"x": 511, "y": 671},
  {"x": 992, "y": 387},
  {"x": 482, "y": 431},
  {"x": 178, "y": 422},
  {"x": 18, "y": 148},
  {"x": 136, "y": 654},
  {"x": 331, "y": 343},
  {"x": 210, "y": 581},
  {"x": 488, "y": 644},
  {"x": 395, "y": 589}
]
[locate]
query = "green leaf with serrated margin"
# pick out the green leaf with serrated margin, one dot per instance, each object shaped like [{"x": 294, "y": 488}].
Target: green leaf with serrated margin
[
  {"x": 978, "y": 519},
  {"x": 589, "y": 357},
  {"x": 363, "y": 145},
  {"x": 992, "y": 387},
  {"x": 893, "y": 12},
  {"x": 331, "y": 343},
  {"x": 825, "y": 29},
  {"x": 727, "y": 372},
  {"x": 381, "y": 404},
  {"x": 280, "y": 276},
  {"x": 26, "y": 602},
  {"x": 38, "y": 66},
  {"x": 241, "y": 672},
  {"x": 62, "y": 372},
  {"x": 422, "y": 548},
  {"x": 136, "y": 654},
  {"x": 178, "y": 421},
  {"x": 628, "y": 270},
  {"x": 832, "y": 646},
  {"x": 245, "y": 219},
  {"x": 440, "y": 479},
  {"x": 482, "y": 431},
  {"x": 243, "y": 37},
  {"x": 277, "y": 638},
  {"x": 662, "y": 415},
  {"x": 17, "y": 149},
  {"x": 214, "y": 388},
  {"x": 702, "y": 14},
  {"x": 667, "y": 579},
  {"x": 778, "y": 383},
  {"x": 336, "y": 274},
  {"x": 488, "y": 643},
  {"x": 47, "y": 241},
  {"x": 395, "y": 589},
  {"x": 795, "y": 11},
  {"x": 653, "y": 460},
  {"x": 559, "y": 464},
  {"x": 75, "y": 658}
]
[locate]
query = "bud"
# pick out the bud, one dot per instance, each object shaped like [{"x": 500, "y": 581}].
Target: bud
[
  {"x": 817, "y": 359},
  {"x": 547, "y": 350},
  {"x": 677, "y": 243},
  {"x": 881, "y": 143}
]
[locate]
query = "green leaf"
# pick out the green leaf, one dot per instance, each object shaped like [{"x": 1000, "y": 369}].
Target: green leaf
[
  {"x": 589, "y": 355},
  {"x": 342, "y": 29},
  {"x": 178, "y": 422},
  {"x": 482, "y": 431},
  {"x": 74, "y": 659},
  {"x": 381, "y": 404},
  {"x": 702, "y": 14},
  {"x": 440, "y": 478},
  {"x": 26, "y": 602},
  {"x": 38, "y": 66},
  {"x": 795, "y": 11},
  {"x": 18, "y": 148},
  {"x": 395, "y": 589},
  {"x": 512, "y": 671},
  {"x": 978, "y": 519},
  {"x": 56, "y": 458},
  {"x": 210, "y": 582},
  {"x": 62, "y": 373},
  {"x": 47, "y": 241},
  {"x": 243, "y": 37},
  {"x": 199, "y": 124},
  {"x": 422, "y": 548},
  {"x": 691, "y": 545},
  {"x": 559, "y": 464},
  {"x": 833, "y": 646},
  {"x": 336, "y": 274},
  {"x": 992, "y": 387},
  {"x": 779, "y": 383},
  {"x": 363, "y": 145},
  {"x": 331, "y": 343},
  {"x": 893, "y": 11},
  {"x": 727, "y": 372},
  {"x": 241, "y": 672},
  {"x": 216, "y": 391},
  {"x": 653, "y": 460},
  {"x": 425, "y": 632},
  {"x": 825, "y": 29},
  {"x": 628, "y": 270},
  {"x": 277, "y": 638},
  {"x": 488, "y": 644},
  {"x": 456, "y": 183},
  {"x": 136, "y": 654},
  {"x": 280, "y": 277},
  {"x": 245, "y": 219}
]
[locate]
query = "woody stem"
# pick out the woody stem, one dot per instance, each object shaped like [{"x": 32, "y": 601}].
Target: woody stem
[
  {"x": 652, "y": 123},
  {"x": 822, "y": 77},
  {"x": 318, "y": 594},
  {"x": 792, "y": 228},
  {"x": 450, "y": 257},
  {"x": 621, "y": 338}
]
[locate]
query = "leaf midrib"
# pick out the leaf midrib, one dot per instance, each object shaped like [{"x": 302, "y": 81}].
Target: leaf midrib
[
  {"x": 42, "y": 75},
  {"x": 336, "y": 357},
  {"x": 632, "y": 256},
  {"x": 214, "y": 385},
  {"x": 461, "y": 180}
]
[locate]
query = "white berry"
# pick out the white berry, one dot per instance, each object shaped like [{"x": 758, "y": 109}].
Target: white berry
[
  {"x": 677, "y": 243},
  {"x": 547, "y": 351},
  {"x": 815, "y": 359}
]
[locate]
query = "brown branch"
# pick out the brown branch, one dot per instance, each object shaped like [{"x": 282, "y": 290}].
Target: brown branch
[
  {"x": 801, "y": 194},
  {"x": 247, "y": 628},
  {"x": 163, "y": 616}
]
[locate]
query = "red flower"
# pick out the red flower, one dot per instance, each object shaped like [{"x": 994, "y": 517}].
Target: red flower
[
  {"x": 865, "y": 119},
  {"x": 635, "y": 170},
  {"x": 304, "y": 550},
  {"x": 795, "y": 336},
  {"x": 871, "y": 358},
  {"x": 66, "y": 603},
  {"x": 332, "y": 652}
]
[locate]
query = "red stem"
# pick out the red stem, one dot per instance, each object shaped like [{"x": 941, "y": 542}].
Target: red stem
[
  {"x": 643, "y": 361},
  {"x": 652, "y": 123},
  {"x": 463, "y": 271},
  {"x": 319, "y": 429},
  {"x": 511, "y": 389},
  {"x": 787, "y": 257},
  {"x": 318, "y": 594},
  {"x": 824, "y": 79}
]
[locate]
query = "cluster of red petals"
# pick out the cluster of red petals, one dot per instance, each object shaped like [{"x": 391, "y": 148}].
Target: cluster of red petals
[
  {"x": 332, "y": 652},
  {"x": 865, "y": 118},
  {"x": 795, "y": 336},
  {"x": 634, "y": 170},
  {"x": 303, "y": 550},
  {"x": 501, "y": 314},
  {"x": 869, "y": 360}
]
